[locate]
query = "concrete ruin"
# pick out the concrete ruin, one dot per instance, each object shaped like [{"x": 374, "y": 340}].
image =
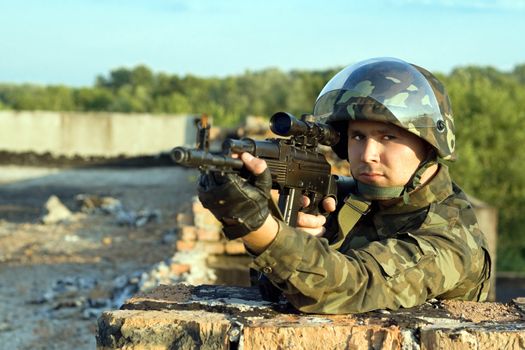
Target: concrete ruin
[{"x": 94, "y": 134}]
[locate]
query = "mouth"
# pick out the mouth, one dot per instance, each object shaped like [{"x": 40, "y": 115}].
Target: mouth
[{"x": 370, "y": 176}]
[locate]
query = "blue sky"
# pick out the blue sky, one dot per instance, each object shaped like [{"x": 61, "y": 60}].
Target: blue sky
[{"x": 71, "y": 42}]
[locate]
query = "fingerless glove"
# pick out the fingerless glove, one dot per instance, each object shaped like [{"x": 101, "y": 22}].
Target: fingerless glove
[{"x": 240, "y": 204}]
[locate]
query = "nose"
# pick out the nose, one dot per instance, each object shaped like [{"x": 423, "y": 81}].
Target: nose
[{"x": 370, "y": 151}]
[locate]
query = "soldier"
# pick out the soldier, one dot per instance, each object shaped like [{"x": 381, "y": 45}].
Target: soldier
[{"x": 404, "y": 234}]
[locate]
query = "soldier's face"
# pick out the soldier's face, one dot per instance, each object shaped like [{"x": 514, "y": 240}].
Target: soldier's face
[{"x": 383, "y": 154}]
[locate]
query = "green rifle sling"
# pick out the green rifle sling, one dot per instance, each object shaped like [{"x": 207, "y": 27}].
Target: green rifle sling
[{"x": 348, "y": 216}]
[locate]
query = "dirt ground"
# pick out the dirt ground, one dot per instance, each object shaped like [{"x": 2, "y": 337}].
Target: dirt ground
[{"x": 48, "y": 270}]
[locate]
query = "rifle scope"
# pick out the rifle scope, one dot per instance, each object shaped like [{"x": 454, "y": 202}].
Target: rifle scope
[{"x": 285, "y": 124}]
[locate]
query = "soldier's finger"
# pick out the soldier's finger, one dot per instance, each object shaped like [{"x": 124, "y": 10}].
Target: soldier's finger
[
  {"x": 253, "y": 164},
  {"x": 310, "y": 221},
  {"x": 305, "y": 201},
  {"x": 329, "y": 204}
]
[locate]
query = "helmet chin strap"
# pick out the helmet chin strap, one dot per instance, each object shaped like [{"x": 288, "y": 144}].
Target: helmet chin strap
[{"x": 371, "y": 192}]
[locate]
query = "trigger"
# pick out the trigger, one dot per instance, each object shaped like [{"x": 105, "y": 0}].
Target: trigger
[{"x": 315, "y": 207}]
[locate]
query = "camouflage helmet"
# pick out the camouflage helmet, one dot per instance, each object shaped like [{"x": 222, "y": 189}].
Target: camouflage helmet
[{"x": 389, "y": 90}]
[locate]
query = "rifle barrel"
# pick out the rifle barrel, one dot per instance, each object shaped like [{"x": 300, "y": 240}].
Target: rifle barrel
[{"x": 196, "y": 157}]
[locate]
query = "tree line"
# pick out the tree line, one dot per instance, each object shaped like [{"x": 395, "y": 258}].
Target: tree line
[
  {"x": 139, "y": 90},
  {"x": 488, "y": 104}
]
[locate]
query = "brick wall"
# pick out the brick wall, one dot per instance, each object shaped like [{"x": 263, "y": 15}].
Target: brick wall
[{"x": 220, "y": 317}]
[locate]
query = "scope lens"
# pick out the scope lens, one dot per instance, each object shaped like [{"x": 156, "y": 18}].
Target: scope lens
[{"x": 281, "y": 124}]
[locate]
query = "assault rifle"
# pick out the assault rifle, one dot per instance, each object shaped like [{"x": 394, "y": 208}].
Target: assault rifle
[{"x": 297, "y": 166}]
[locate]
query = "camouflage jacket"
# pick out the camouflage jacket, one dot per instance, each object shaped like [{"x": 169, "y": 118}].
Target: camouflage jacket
[{"x": 396, "y": 257}]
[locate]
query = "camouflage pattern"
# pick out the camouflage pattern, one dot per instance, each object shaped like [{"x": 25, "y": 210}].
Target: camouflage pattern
[
  {"x": 394, "y": 257},
  {"x": 393, "y": 91}
]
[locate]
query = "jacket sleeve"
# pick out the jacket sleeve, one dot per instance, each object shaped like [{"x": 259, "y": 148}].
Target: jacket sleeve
[{"x": 404, "y": 271}]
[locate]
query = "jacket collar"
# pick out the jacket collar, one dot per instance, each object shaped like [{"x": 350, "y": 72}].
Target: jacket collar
[{"x": 436, "y": 190}]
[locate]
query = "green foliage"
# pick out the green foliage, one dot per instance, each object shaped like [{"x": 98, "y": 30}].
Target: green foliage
[
  {"x": 489, "y": 114},
  {"x": 519, "y": 73},
  {"x": 487, "y": 104},
  {"x": 33, "y": 97},
  {"x": 93, "y": 99}
]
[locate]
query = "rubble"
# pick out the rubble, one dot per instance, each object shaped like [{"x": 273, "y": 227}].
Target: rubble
[
  {"x": 137, "y": 219},
  {"x": 56, "y": 212},
  {"x": 200, "y": 245},
  {"x": 90, "y": 204},
  {"x": 93, "y": 204},
  {"x": 79, "y": 295}
]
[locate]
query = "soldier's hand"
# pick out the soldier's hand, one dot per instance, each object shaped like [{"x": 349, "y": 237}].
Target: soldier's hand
[
  {"x": 313, "y": 224},
  {"x": 240, "y": 204}
]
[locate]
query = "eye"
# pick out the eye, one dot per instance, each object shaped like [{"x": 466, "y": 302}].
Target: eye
[
  {"x": 389, "y": 137},
  {"x": 357, "y": 137}
]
